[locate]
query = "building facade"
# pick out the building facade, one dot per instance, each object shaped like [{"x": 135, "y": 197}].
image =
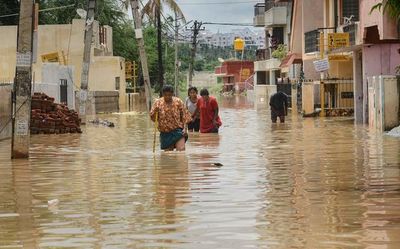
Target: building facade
[
  {"x": 274, "y": 17},
  {"x": 372, "y": 50},
  {"x": 65, "y": 44}
]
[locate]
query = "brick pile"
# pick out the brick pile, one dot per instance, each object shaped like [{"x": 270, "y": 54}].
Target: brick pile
[{"x": 48, "y": 117}]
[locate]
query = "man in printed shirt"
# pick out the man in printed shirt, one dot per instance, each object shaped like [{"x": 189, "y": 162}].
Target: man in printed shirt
[{"x": 172, "y": 120}]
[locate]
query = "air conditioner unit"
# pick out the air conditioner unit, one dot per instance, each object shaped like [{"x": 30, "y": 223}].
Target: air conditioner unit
[{"x": 353, "y": 30}]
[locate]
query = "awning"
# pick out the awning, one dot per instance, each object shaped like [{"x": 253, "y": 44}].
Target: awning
[{"x": 291, "y": 59}]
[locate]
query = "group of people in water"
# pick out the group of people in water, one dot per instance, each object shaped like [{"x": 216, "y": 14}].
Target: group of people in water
[
  {"x": 175, "y": 118},
  {"x": 198, "y": 113}
]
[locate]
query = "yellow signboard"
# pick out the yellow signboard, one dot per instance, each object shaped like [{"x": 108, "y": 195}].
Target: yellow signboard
[
  {"x": 338, "y": 57},
  {"x": 51, "y": 57},
  {"x": 245, "y": 74},
  {"x": 338, "y": 40}
]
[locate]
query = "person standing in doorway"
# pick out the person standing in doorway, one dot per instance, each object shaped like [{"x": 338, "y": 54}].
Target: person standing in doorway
[
  {"x": 191, "y": 105},
  {"x": 207, "y": 106},
  {"x": 172, "y": 117},
  {"x": 279, "y": 106}
]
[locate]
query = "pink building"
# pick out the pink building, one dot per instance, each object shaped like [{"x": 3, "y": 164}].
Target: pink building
[
  {"x": 374, "y": 46},
  {"x": 380, "y": 52}
]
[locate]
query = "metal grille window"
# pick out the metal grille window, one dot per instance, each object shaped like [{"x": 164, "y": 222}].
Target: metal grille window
[
  {"x": 311, "y": 41},
  {"x": 64, "y": 91},
  {"x": 117, "y": 82},
  {"x": 350, "y": 9}
]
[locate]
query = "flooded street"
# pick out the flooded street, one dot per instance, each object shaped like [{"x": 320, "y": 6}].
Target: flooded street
[{"x": 308, "y": 183}]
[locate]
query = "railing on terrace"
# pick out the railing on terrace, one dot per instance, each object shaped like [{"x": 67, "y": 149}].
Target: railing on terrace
[
  {"x": 259, "y": 9},
  {"x": 263, "y": 54},
  {"x": 270, "y": 5}
]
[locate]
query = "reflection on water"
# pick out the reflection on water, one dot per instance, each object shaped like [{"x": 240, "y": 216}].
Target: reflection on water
[{"x": 308, "y": 183}]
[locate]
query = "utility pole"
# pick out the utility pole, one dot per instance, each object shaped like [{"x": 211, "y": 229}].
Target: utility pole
[
  {"x": 159, "y": 50},
  {"x": 137, "y": 18},
  {"x": 195, "y": 28},
  {"x": 23, "y": 83},
  {"x": 83, "y": 94},
  {"x": 176, "y": 56}
]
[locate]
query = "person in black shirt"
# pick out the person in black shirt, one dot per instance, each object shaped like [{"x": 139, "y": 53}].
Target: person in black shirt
[{"x": 279, "y": 106}]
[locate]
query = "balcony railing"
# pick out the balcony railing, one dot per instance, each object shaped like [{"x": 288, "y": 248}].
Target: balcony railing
[
  {"x": 270, "y": 5},
  {"x": 311, "y": 41},
  {"x": 263, "y": 54},
  {"x": 259, "y": 15},
  {"x": 275, "y": 13}
]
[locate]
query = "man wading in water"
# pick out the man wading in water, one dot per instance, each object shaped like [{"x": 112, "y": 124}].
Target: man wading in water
[
  {"x": 279, "y": 106},
  {"x": 172, "y": 120}
]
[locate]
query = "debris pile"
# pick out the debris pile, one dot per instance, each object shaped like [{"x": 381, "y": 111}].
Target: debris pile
[
  {"x": 339, "y": 112},
  {"x": 102, "y": 122},
  {"x": 48, "y": 117}
]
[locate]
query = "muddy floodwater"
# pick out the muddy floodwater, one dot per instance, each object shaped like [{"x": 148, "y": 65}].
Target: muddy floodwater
[{"x": 308, "y": 183}]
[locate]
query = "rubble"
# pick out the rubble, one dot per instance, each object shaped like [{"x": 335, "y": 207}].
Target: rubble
[
  {"x": 102, "y": 122},
  {"x": 48, "y": 117},
  {"x": 339, "y": 112}
]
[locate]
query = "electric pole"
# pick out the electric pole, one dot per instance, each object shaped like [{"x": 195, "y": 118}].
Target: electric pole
[
  {"x": 159, "y": 50},
  {"x": 195, "y": 29},
  {"x": 23, "y": 83},
  {"x": 176, "y": 56},
  {"x": 83, "y": 94},
  {"x": 142, "y": 52}
]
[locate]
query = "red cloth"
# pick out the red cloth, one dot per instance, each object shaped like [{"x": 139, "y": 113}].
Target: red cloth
[{"x": 207, "y": 112}]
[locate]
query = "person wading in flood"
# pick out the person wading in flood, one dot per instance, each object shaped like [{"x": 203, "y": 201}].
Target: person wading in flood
[
  {"x": 207, "y": 106},
  {"x": 191, "y": 105},
  {"x": 172, "y": 120},
  {"x": 279, "y": 106}
]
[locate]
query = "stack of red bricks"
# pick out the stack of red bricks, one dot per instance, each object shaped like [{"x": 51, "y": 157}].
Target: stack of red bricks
[{"x": 48, "y": 117}]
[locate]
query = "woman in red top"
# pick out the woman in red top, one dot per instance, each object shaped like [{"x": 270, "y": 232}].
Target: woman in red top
[{"x": 208, "y": 108}]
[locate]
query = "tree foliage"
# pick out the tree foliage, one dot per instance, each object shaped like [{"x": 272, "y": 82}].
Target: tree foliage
[
  {"x": 392, "y": 7},
  {"x": 280, "y": 52},
  {"x": 9, "y": 7}
]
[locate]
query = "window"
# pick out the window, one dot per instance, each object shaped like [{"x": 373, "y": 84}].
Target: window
[
  {"x": 311, "y": 39},
  {"x": 350, "y": 8},
  {"x": 117, "y": 82}
]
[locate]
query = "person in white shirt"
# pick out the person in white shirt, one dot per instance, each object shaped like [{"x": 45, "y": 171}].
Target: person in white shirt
[{"x": 191, "y": 105}]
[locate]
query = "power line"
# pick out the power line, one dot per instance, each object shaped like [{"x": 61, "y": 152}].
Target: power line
[
  {"x": 48, "y": 9},
  {"x": 229, "y": 24},
  {"x": 219, "y": 3}
]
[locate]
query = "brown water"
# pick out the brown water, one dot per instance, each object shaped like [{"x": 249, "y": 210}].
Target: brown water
[{"x": 309, "y": 183}]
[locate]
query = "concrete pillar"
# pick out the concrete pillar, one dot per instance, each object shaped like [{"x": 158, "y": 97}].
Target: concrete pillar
[
  {"x": 365, "y": 114},
  {"x": 272, "y": 79},
  {"x": 358, "y": 87}
]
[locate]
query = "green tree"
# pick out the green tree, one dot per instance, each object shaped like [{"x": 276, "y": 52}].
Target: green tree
[
  {"x": 392, "y": 7},
  {"x": 153, "y": 9},
  {"x": 9, "y": 7}
]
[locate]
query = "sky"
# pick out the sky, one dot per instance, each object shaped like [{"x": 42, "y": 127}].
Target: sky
[{"x": 231, "y": 11}]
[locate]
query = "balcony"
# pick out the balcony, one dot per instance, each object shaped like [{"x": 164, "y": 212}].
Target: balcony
[
  {"x": 259, "y": 15},
  {"x": 267, "y": 65},
  {"x": 276, "y": 14}
]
